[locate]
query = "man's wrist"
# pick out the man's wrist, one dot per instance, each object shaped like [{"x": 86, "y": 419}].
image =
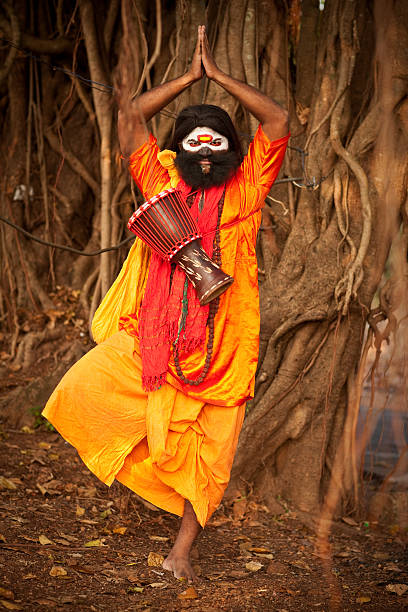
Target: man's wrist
[
  {"x": 189, "y": 79},
  {"x": 219, "y": 77}
]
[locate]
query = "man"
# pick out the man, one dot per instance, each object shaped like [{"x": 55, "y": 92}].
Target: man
[{"x": 150, "y": 406}]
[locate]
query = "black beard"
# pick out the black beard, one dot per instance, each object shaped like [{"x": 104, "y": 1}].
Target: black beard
[{"x": 223, "y": 166}]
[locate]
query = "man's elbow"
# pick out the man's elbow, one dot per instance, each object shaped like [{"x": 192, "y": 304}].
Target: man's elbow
[{"x": 278, "y": 125}]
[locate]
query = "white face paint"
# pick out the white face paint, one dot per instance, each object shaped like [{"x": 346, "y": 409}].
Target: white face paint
[{"x": 202, "y": 137}]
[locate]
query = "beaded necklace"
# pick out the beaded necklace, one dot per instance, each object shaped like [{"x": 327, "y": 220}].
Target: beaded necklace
[{"x": 213, "y": 308}]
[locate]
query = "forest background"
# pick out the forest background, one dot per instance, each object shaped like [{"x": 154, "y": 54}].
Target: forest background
[{"x": 333, "y": 244}]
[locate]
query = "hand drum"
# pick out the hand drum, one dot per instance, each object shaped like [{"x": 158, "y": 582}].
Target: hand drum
[{"x": 165, "y": 223}]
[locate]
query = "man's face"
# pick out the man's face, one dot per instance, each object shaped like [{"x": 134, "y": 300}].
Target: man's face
[{"x": 205, "y": 159}]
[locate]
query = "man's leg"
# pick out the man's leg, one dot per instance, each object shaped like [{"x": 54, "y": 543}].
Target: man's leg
[{"x": 178, "y": 560}]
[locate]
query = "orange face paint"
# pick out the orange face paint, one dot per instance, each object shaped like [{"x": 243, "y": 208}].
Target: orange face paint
[{"x": 204, "y": 137}]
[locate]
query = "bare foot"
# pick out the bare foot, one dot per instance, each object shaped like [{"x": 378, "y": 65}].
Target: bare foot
[
  {"x": 180, "y": 566},
  {"x": 178, "y": 560}
]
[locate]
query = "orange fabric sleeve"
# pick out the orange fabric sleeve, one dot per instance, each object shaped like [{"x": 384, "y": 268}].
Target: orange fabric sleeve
[
  {"x": 261, "y": 165},
  {"x": 146, "y": 170}
]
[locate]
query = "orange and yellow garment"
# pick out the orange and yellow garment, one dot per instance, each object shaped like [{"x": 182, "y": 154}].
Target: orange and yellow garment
[
  {"x": 230, "y": 381},
  {"x": 178, "y": 442}
]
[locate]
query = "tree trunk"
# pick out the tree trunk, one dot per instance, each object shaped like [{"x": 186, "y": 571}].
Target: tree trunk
[
  {"x": 103, "y": 109},
  {"x": 316, "y": 299}
]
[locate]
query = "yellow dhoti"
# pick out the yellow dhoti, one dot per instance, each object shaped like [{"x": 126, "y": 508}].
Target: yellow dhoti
[{"x": 164, "y": 445}]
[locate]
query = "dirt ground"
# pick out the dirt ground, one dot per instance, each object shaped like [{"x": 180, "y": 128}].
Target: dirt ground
[{"x": 67, "y": 542}]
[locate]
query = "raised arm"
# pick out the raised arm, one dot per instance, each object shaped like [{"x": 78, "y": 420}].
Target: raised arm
[
  {"x": 134, "y": 114},
  {"x": 274, "y": 118}
]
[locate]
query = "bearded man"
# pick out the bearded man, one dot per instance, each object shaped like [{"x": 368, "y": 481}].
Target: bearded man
[{"x": 159, "y": 403}]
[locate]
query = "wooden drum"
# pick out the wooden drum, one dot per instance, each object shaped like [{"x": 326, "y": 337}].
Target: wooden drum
[{"x": 165, "y": 223}]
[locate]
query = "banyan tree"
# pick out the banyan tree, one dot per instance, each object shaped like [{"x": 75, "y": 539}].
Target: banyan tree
[{"x": 333, "y": 243}]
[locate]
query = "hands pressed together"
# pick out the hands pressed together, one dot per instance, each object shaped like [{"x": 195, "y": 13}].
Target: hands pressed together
[
  {"x": 135, "y": 112},
  {"x": 203, "y": 61}
]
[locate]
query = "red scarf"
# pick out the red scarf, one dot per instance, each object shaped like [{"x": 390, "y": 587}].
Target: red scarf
[{"x": 160, "y": 311}]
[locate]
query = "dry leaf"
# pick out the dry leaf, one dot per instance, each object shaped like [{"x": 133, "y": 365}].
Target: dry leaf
[
  {"x": 42, "y": 489},
  {"x": 6, "y": 593},
  {"x": 392, "y": 567},
  {"x": 238, "y": 574},
  {"x": 29, "y": 576},
  {"x": 135, "y": 589},
  {"x": 19, "y": 519},
  {"x": 92, "y": 543},
  {"x": 79, "y": 511},
  {"x": 381, "y": 556},
  {"x": 63, "y": 542},
  {"x": 44, "y": 540},
  {"x": 57, "y": 570},
  {"x": 67, "y": 599},
  {"x": 10, "y": 605},
  {"x": 70, "y": 538},
  {"x": 28, "y": 430},
  {"x": 53, "y": 315},
  {"x": 119, "y": 530},
  {"x": 189, "y": 593},
  {"x": 85, "y": 569},
  {"x": 6, "y": 483},
  {"x": 158, "y": 538},
  {"x": 253, "y": 566},
  {"x": 301, "y": 564},
  {"x": 50, "y": 603},
  {"x": 105, "y": 513},
  {"x": 399, "y": 589},
  {"x": 2, "y": 538},
  {"x": 349, "y": 521},
  {"x": 363, "y": 599},
  {"x": 155, "y": 559},
  {"x": 259, "y": 549},
  {"x": 220, "y": 520},
  {"x": 45, "y": 445},
  {"x": 87, "y": 491},
  {"x": 132, "y": 576},
  {"x": 215, "y": 576},
  {"x": 244, "y": 549},
  {"x": 158, "y": 585}
]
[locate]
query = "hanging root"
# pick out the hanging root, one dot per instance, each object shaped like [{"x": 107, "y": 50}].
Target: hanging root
[{"x": 348, "y": 285}]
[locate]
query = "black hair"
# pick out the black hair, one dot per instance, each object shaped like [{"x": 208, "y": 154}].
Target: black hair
[{"x": 207, "y": 115}]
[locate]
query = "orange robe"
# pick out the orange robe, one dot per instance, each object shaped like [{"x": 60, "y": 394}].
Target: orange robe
[{"x": 178, "y": 442}]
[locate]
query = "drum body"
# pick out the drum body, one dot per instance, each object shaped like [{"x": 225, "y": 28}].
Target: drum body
[{"x": 165, "y": 223}]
